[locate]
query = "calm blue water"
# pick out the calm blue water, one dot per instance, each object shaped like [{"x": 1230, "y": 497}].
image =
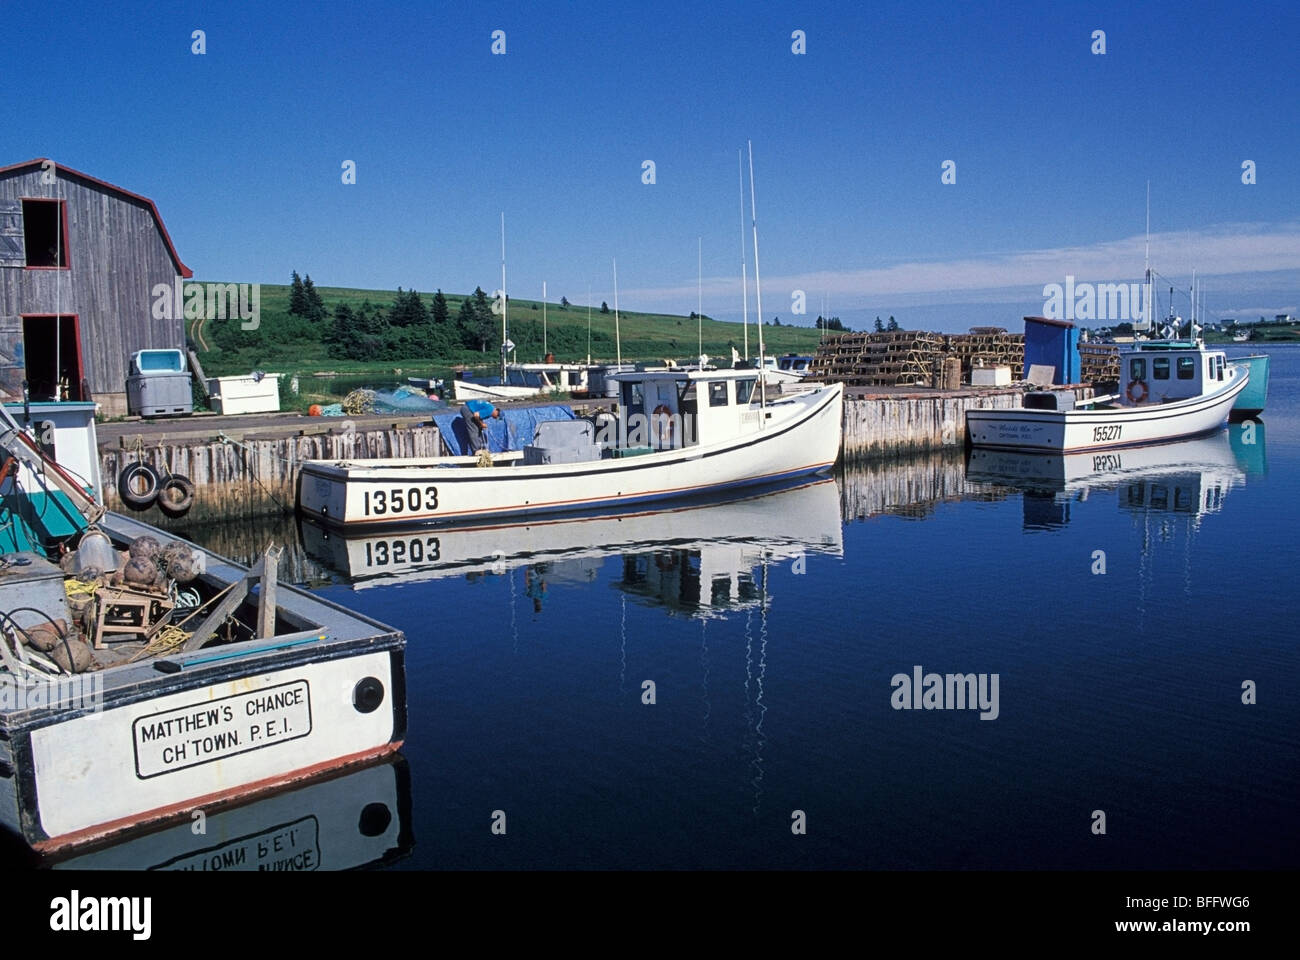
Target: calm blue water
[{"x": 771, "y": 630}]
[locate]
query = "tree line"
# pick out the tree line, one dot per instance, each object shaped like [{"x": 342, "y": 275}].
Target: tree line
[{"x": 405, "y": 328}]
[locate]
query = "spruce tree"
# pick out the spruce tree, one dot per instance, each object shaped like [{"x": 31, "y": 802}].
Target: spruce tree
[
  {"x": 440, "y": 311},
  {"x": 297, "y": 296},
  {"x": 313, "y": 306}
]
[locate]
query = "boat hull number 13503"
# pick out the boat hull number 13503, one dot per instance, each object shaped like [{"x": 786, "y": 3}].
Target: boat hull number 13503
[{"x": 397, "y": 500}]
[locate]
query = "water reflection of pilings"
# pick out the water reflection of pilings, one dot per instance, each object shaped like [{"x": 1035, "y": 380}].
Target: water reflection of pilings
[
  {"x": 909, "y": 487},
  {"x": 243, "y": 540}
]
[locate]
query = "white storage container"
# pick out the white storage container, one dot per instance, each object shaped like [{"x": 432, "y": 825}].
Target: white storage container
[
  {"x": 990, "y": 377},
  {"x": 249, "y": 394}
]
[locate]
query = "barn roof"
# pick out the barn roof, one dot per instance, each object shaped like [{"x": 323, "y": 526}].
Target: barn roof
[{"x": 68, "y": 171}]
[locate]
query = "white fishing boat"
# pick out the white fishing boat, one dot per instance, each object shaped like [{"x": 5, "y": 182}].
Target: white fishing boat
[
  {"x": 527, "y": 380},
  {"x": 113, "y": 715},
  {"x": 676, "y": 433},
  {"x": 1170, "y": 389},
  {"x": 728, "y": 536}
]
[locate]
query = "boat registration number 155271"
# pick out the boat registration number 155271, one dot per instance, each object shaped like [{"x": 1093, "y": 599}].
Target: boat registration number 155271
[
  {"x": 397, "y": 500},
  {"x": 1110, "y": 431}
]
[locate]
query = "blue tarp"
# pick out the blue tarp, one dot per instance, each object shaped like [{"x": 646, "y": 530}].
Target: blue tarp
[
  {"x": 512, "y": 431},
  {"x": 405, "y": 400}
]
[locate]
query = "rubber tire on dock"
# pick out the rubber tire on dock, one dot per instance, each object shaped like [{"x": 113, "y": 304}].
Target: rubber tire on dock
[
  {"x": 182, "y": 484},
  {"x": 132, "y": 472}
]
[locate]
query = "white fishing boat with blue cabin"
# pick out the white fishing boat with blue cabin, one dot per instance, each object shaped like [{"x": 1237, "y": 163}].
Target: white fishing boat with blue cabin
[{"x": 1169, "y": 389}]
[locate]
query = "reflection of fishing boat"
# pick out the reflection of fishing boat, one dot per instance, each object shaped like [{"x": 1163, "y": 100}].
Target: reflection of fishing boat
[
  {"x": 1190, "y": 477},
  {"x": 1211, "y": 455},
  {"x": 1250, "y": 402},
  {"x": 264, "y": 690},
  {"x": 725, "y": 539},
  {"x": 1171, "y": 389},
  {"x": 359, "y": 818},
  {"x": 677, "y": 434}
]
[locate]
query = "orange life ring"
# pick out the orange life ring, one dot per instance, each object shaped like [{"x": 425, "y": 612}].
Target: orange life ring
[{"x": 1141, "y": 394}]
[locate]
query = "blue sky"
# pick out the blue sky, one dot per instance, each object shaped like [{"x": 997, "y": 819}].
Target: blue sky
[{"x": 242, "y": 147}]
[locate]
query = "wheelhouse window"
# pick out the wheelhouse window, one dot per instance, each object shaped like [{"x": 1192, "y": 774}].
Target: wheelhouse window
[
  {"x": 1186, "y": 368},
  {"x": 718, "y": 393},
  {"x": 526, "y": 378},
  {"x": 1160, "y": 368},
  {"x": 744, "y": 390},
  {"x": 634, "y": 397},
  {"x": 45, "y": 234},
  {"x": 1137, "y": 369}
]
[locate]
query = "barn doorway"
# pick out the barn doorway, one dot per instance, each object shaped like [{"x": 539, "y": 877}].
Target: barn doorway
[{"x": 52, "y": 357}]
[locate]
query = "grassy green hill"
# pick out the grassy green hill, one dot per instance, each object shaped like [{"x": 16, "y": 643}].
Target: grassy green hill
[{"x": 287, "y": 343}]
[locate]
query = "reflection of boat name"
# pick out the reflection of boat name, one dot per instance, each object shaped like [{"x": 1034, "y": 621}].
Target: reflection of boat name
[
  {"x": 952, "y": 691},
  {"x": 1106, "y": 461},
  {"x": 292, "y": 847}
]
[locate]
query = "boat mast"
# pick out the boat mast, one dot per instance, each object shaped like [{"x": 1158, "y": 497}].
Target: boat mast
[
  {"x": 699, "y": 296},
  {"x": 758, "y": 293},
  {"x": 588, "y": 324},
  {"x": 744, "y": 278},
  {"x": 505, "y": 332},
  {"x": 1150, "y": 317},
  {"x": 618, "y": 340},
  {"x": 544, "y": 318}
]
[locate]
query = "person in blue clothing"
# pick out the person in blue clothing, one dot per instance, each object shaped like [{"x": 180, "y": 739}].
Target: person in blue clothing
[{"x": 475, "y": 413}]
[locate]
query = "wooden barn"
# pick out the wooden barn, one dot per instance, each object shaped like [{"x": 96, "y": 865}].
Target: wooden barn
[{"x": 79, "y": 260}]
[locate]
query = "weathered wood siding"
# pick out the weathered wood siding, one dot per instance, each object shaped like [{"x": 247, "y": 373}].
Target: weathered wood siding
[{"x": 116, "y": 255}]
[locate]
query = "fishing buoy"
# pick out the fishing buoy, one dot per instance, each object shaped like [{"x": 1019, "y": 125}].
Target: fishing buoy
[
  {"x": 146, "y": 547},
  {"x": 176, "y": 495},
  {"x": 137, "y": 485},
  {"x": 313, "y": 410}
]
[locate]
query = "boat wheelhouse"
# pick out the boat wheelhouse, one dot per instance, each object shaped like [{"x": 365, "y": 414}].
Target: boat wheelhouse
[
  {"x": 1168, "y": 389},
  {"x": 794, "y": 363},
  {"x": 672, "y": 434}
]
